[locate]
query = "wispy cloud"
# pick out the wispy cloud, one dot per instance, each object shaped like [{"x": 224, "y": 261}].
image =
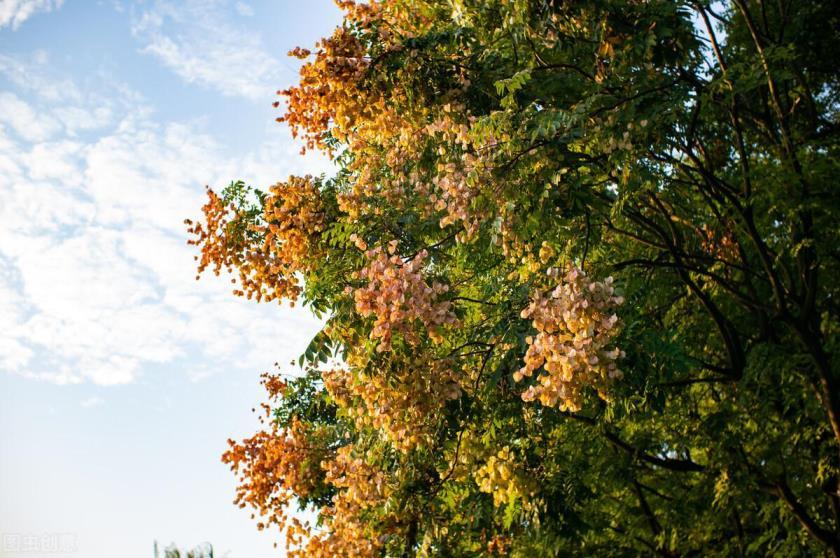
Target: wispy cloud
[
  {"x": 71, "y": 110},
  {"x": 14, "y": 12},
  {"x": 92, "y": 402},
  {"x": 96, "y": 281},
  {"x": 199, "y": 42},
  {"x": 243, "y": 9},
  {"x": 24, "y": 120}
]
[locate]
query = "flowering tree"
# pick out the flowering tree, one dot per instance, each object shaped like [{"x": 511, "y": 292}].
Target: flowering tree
[{"x": 576, "y": 267}]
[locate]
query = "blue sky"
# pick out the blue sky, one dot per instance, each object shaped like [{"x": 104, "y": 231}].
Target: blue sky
[{"x": 121, "y": 377}]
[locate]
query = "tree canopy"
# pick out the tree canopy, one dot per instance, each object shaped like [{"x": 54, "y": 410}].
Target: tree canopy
[{"x": 578, "y": 270}]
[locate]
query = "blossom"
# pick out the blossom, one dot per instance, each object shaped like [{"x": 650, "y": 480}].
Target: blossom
[
  {"x": 404, "y": 405},
  {"x": 291, "y": 222},
  {"x": 398, "y": 296},
  {"x": 575, "y": 327}
]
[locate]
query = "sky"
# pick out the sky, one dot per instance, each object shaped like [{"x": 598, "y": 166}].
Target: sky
[{"x": 121, "y": 377}]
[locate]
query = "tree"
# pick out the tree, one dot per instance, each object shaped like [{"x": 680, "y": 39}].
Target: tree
[
  {"x": 204, "y": 550},
  {"x": 578, "y": 267}
]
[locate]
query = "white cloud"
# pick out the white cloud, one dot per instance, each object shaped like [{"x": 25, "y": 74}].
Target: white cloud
[
  {"x": 92, "y": 402},
  {"x": 24, "y": 120},
  {"x": 13, "y": 354},
  {"x": 96, "y": 280},
  {"x": 207, "y": 49},
  {"x": 54, "y": 161},
  {"x": 71, "y": 110},
  {"x": 15, "y": 12},
  {"x": 82, "y": 119},
  {"x": 30, "y": 75},
  {"x": 243, "y": 9}
]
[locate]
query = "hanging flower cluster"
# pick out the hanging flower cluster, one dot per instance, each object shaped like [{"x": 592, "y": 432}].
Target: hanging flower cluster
[
  {"x": 295, "y": 216},
  {"x": 361, "y": 487},
  {"x": 330, "y": 97},
  {"x": 575, "y": 327},
  {"x": 405, "y": 406},
  {"x": 398, "y": 296},
  {"x": 327, "y": 95},
  {"x": 387, "y": 168},
  {"x": 720, "y": 244},
  {"x": 504, "y": 478},
  {"x": 278, "y": 465},
  {"x": 275, "y": 465},
  {"x": 291, "y": 220},
  {"x": 385, "y": 130},
  {"x": 461, "y": 171}
]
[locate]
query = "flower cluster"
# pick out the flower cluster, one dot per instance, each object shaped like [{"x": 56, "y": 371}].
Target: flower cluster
[
  {"x": 460, "y": 171},
  {"x": 292, "y": 218},
  {"x": 279, "y": 465},
  {"x": 386, "y": 129},
  {"x": 275, "y": 465},
  {"x": 405, "y": 406},
  {"x": 398, "y": 296},
  {"x": 361, "y": 487},
  {"x": 329, "y": 96},
  {"x": 575, "y": 327},
  {"x": 502, "y": 477},
  {"x": 387, "y": 145},
  {"x": 389, "y": 167},
  {"x": 326, "y": 96},
  {"x": 721, "y": 245},
  {"x": 360, "y": 484},
  {"x": 295, "y": 216}
]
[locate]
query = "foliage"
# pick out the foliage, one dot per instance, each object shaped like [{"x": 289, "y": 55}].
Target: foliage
[
  {"x": 172, "y": 551},
  {"x": 579, "y": 271}
]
